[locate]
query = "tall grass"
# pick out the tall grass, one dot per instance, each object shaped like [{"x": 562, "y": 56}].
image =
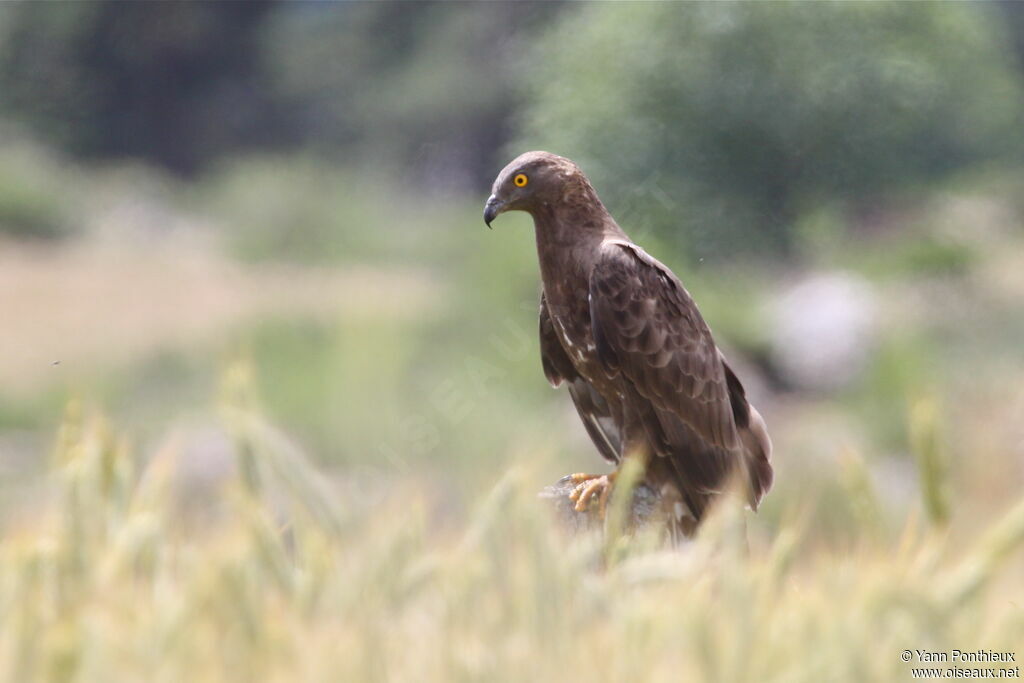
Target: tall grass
[{"x": 281, "y": 577}]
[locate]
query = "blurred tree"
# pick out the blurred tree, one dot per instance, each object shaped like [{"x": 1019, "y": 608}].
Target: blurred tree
[
  {"x": 426, "y": 88},
  {"x": 414, "y": 86},
  {"x": 742, "y": 116},
  {"x": 175, "y": 83},
  {"x": 1012, "y": 13}
]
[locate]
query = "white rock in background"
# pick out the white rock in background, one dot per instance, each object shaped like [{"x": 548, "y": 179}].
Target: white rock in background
[{"x": 824, "y": 331}]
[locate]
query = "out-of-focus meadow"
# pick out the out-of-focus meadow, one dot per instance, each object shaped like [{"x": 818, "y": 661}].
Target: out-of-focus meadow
[{"x": 271, "y": 404}]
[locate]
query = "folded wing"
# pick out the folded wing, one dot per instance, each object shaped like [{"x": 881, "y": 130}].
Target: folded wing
[
  {"x": 593, "y": 409},
  {"x": 648, "y": 329}
]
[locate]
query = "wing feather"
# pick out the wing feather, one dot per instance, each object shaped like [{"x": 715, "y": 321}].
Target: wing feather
[
  {"x": 647, "y": 327},
  {"x": 593, "y": 409}
]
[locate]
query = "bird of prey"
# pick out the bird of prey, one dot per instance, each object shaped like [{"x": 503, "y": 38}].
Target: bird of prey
[{"x": 620, "y": 330}]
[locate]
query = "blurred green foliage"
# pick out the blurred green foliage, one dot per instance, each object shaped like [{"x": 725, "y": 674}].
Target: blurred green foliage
[
  {"x": 171, "y": 83},
  {"x": 720, "y": 126},
  {"x": 398, "y": 84},
  {"x": 747, "y": 115},
  {"x": 304, "y": 210},
  {"x": 34, "y": 194},
  {"x": 426, "y": 89}
]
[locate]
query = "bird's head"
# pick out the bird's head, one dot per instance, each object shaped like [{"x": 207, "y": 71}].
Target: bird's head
[{"x": 530, "y": 181}]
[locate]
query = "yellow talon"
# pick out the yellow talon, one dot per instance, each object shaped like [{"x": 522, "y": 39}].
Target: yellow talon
[{"x": 590, "y": 485}]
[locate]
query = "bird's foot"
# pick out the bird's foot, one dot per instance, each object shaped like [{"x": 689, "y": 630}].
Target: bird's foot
[{"x": 590, "y": 485}]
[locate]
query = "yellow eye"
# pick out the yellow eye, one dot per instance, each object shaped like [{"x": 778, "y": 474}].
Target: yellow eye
[{"x": 520, "y": 180}]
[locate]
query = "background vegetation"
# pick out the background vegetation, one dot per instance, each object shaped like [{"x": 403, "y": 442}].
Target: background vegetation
[{"x": 270, "y": 401}]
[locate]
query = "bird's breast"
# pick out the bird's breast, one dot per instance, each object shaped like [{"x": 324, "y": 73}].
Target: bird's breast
[{"x": 566, "y": 281}]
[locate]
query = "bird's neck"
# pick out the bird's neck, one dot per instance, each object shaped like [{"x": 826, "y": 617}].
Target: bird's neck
[
  {"x": 569, "y": 235},
  {"x": 579, "y": 220}
]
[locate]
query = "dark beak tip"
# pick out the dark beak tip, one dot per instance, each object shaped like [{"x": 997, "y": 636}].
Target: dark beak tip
[{"x": 491, "y": 210}]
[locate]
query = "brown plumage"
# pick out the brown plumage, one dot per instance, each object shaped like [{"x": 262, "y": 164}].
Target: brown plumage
[{"x": 620, "y": 330}]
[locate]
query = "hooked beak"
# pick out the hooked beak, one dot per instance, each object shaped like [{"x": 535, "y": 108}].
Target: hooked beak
[{"x": 493, "y": 207}]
